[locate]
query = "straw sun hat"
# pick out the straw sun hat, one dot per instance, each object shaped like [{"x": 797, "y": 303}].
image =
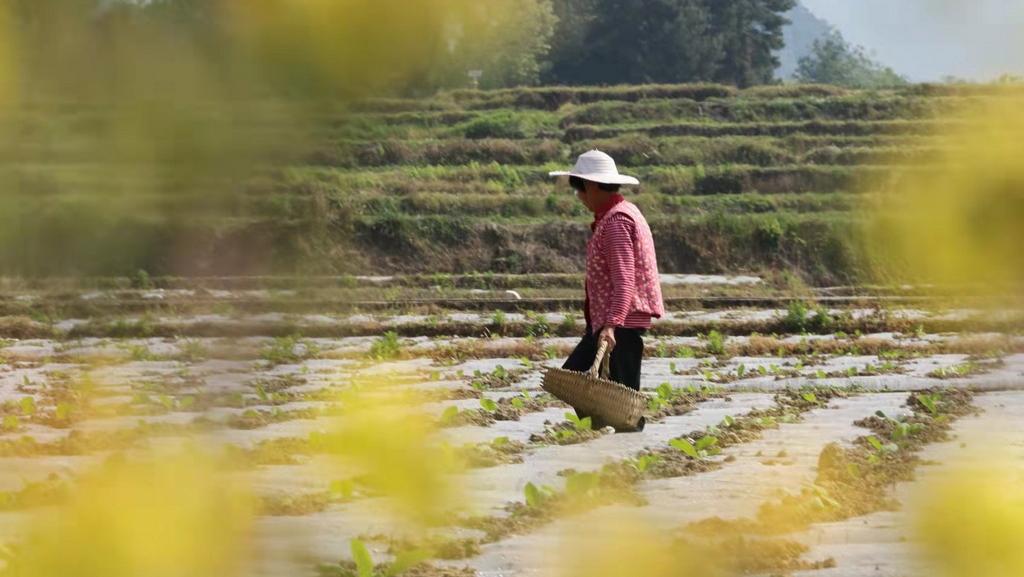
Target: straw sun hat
[{"x": 596, "y": 166}]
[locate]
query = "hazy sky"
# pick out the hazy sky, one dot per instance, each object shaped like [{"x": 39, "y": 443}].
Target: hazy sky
[{"x": 928, "y": 39}]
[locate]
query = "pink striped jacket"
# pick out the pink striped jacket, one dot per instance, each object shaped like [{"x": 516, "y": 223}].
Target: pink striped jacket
[{"x": 623, "y": 287}]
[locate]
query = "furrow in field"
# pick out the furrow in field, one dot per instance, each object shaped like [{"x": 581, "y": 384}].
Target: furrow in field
[
  {"x": 490, "y": 489},
  {"x": 760, "y": 470},
  {"x": 883, "y": 544}
]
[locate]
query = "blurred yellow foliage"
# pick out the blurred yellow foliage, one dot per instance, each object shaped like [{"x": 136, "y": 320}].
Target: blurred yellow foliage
[
  {"x": 972, "y": 523},
  {"x": 615, "y": 544},
  {"x": 962, "y": 221},
  {"x": 166, "y": 516},
  {"x": 347, "y": 47},
  {"x": 384, "y": 434},
  {"x": 141, "y": 125},
  {"x": 7, "y": 71}
]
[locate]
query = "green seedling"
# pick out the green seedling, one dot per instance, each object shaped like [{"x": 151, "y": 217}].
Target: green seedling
[
  {"x": 685, "y": 353},
  {"x": 955, "y": 371},
  {"x": 822, "y": 498},
  {"x": 166, "y": 401},
  {"x": 567, "y": 326},
  {"x": 905, "y": 430},
  {"x": 704, "y": 447},
  {"x": 715, "y": 343},
  {"x": 518, "y": 403},
  {"x": 62, "y": 412},
  {"x": 539, "y": 327},
  {"x": 536, "y": 496},
  {"x": 740, "y": 371},
  {"x": 499, "y": 442},
  {"x": 879, "y": 446},
  {"x": 581, "y": 484},
  {"x": 579, "y": 424},
  {"x": 403, "y": 561},
  {"x": 564, "y": 434},
  {"x": 488, "y": 405},
  {"x": 663, "y": 397},
  {"x": 28, "y": 406},
  {"x": 498, "y": 319},
  {"x": 386, "y": 347},
  {"x": 362, "y": 558},
  {"x": 449, "y": 415},
  {"x": 901, "y": 430},
  {"x": 810, "y": 398},
  {"x": 880, "y": 449},
  {"x": 727, "y": 422},
  {"x": 930, "y": 402},
  {"x": 644, "y": 462},
  {"x": 685, "y": 447},
  {"x": 707, "y": 444},
  {"x": 10, "y": 423}
]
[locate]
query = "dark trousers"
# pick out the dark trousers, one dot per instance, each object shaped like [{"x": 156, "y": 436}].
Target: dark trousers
[{"x": 624, "y": 366}]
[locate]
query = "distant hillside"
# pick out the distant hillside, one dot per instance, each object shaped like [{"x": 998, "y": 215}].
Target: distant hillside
[
  {"x": 800, "y": 35},
  {"x": 767, "y": 180}
]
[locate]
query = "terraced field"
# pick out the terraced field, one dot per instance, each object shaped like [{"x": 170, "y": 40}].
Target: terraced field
[
  {"x": 762, "y": 180},
  {"x": 786, "y": 430}
]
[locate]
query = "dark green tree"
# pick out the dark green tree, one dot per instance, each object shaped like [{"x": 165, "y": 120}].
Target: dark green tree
[
  {"x": 631, "y": 41},
  {"x": 749, "y": 32},
  {"x": 568, "y": 57},
  {"x": 833, "y": 60}
]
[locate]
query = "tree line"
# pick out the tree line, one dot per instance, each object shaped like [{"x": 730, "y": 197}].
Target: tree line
[{"x": 511, "y": 42}]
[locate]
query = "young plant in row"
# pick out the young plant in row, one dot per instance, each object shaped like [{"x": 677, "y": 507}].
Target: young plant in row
[
  {"x": 362, "y": 564},
  {"x": 700, "y": 449}
]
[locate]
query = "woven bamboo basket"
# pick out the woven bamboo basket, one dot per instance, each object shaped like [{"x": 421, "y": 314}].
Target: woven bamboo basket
[{"x": 592, "y": 393}]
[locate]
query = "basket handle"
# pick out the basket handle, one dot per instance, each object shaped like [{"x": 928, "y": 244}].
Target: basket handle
[{"x": 600, "y": 361}]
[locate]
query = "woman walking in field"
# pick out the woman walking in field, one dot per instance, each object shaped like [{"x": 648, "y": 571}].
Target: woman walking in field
[{"x": 623, "y": 291}]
